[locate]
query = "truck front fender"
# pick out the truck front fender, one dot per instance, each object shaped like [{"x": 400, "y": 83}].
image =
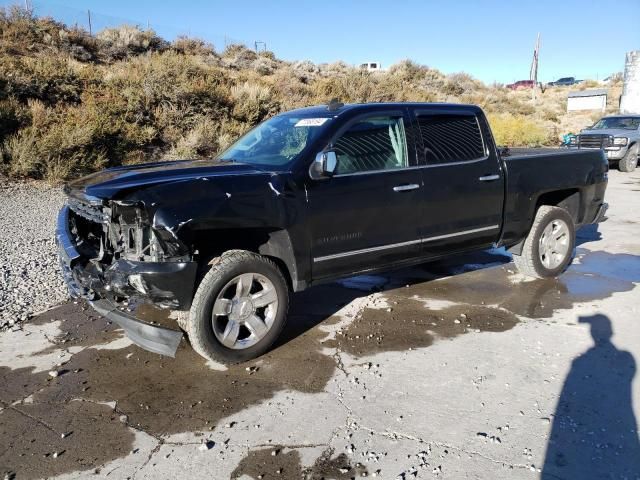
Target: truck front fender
[{"x": 280, "y": 246}]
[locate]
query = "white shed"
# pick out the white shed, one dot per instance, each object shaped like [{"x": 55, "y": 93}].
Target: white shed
[{"x": 587, "y": 100}]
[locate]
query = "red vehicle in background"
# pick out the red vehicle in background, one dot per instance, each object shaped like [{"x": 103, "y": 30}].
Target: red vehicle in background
[{"x": 520, "y": 84}]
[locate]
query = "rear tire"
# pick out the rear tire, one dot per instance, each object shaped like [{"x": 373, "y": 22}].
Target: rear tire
[
  {"x": 548, "y": 248},
  {"x": 630, "y": 160},
  {"x": 239, "y": 309}
]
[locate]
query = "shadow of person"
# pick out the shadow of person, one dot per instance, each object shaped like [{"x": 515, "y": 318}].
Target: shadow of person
[{"x": 594, "y": 432}]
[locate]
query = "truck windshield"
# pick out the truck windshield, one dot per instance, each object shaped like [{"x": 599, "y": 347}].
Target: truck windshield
[
  {"x": 627, "y": 123},
  {"x": 277, "y": 141}
]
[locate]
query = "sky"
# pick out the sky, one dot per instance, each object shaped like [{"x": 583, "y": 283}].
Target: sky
[{"x": 492, "y": 40}]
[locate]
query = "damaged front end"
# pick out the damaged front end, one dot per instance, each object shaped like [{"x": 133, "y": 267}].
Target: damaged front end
[{"x": 109, "y": 251}]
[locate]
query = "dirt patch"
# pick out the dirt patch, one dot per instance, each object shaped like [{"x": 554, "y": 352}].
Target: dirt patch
[
  {"x": 408, "y": 324},
  {"x": 339, "y": 468},
  {"x": 80, "y": 326},
  {"x": 278, "y": 463},
  {"x": 32, "y": 440},
  {"x": 157, "y": 316},
  {"x": 269, "y": 464}
]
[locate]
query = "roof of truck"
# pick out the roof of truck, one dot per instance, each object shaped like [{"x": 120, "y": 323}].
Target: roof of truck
[
  {"x": 623, "y": 115},
  {"x": 337, "y": 109}
]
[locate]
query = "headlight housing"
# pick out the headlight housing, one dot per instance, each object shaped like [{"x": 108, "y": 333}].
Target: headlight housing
[
  {"x": 620, "y": 141},
  {"x": 573, "y": 140}
]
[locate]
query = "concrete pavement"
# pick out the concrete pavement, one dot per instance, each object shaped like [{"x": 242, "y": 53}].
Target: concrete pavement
[{"x": 460, "y": 369}]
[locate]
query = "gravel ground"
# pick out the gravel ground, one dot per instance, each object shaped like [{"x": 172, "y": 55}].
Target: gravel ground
[{"x": 29, "y": 277}]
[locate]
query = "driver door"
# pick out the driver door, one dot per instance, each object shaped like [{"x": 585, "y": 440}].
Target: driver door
[{"x": 364, "y": 216}]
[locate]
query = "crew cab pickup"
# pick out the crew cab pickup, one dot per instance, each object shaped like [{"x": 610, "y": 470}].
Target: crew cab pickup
[{"x": 311, "y": 196}]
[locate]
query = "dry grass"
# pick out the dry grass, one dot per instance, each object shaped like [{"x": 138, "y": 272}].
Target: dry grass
[{"x": 71, "y": 103}]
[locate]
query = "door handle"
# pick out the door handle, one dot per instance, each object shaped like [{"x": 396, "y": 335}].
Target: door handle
[
  {"x": 406, "y": 188},
  {"x": 489, "y": 178}
]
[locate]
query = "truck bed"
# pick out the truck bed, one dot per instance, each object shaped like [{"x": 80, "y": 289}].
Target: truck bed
[{"x": 581, "y": 174}]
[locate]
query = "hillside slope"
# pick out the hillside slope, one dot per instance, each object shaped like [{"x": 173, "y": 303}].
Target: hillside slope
[{"x": 71, "y": 103}]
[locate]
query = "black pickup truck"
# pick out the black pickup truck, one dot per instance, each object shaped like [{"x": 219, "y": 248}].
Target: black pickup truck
[{"x": 310, "y": 196}]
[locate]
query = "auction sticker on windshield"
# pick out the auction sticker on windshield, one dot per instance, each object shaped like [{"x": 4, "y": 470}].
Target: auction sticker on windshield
[{"x": 311, "y": 122}]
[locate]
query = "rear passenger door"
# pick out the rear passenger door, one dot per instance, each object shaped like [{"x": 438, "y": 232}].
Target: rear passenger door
[{"x": 463, "y": 181}]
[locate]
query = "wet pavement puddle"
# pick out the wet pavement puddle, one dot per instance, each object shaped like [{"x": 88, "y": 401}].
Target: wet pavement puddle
[{"x": 163, "y": 396}]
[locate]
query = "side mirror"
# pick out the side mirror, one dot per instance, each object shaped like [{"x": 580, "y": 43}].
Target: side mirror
[{"x": 324, "y": 166}]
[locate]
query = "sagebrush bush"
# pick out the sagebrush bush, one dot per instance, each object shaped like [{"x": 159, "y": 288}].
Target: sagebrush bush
[
  {"x": 57, "y": 145},
  {"x": 71, "y": 103},
  {"x": 252, "y": 102},
  {"x": 13, "y": 116},
  {"x": 125, "y": 40},
  {"x": 198, "y": 142},
  {"x": 192, "y": 46},
  {"x": 47, "y": 78},
  {"x": 518, "y": 130}
]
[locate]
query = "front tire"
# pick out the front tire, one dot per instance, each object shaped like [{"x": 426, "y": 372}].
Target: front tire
[
  {"x": 548, "y": 248},
  {"x": 239, "y": 309},
  {"x": 630, "y": 160}
]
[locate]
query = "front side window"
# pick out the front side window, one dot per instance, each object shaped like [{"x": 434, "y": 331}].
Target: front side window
[
  {"x": 277, "y": 141},
  {"x": 451, "y": 138},
  {"x": 373, "y": 144}
]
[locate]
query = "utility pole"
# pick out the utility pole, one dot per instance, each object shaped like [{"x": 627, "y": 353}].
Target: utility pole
[
  {"x": 89, "y": 17},
  {"x": 533, "y": 73},
  {"x": 257, "y": 43}
]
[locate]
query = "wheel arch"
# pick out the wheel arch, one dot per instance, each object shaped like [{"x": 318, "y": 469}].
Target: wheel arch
[
  {"x": 569, "y": 199},
  {"x": 274, "y": 244}
]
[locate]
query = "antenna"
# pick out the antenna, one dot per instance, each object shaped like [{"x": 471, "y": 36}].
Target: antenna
[{"x": 334, "y": 105}]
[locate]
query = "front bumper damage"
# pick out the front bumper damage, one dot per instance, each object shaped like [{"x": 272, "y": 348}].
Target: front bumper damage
[
  {"x": 167, "y": 284},
  {"x": 150, "y": 337}
]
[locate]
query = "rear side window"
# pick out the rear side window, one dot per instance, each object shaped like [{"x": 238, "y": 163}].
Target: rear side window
[{"x": 450, "y": 138}]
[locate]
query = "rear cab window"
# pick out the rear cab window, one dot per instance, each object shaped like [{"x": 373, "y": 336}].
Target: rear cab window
[{"x": 449, "y": 138}]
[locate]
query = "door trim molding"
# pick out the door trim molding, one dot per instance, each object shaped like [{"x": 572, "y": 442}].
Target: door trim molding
[
  {"x": 463, "y": 232},
  {"x": 365, "y": 250},
  {"x": 403, "y": 244}
]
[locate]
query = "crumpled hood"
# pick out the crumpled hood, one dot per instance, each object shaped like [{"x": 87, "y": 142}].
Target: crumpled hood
[
  {"x": 110, "y": 183},
  {"x": 616, "y": 132}
]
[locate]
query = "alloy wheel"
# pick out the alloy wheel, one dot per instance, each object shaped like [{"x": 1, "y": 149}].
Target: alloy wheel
[{"x": 244, "y": 310}]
